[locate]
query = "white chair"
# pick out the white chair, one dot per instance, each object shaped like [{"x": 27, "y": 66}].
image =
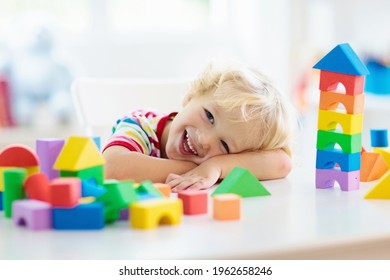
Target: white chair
[{"x": 100, "y": 102}]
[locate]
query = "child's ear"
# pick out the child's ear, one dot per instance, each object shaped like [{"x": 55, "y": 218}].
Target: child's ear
[{"x": 186, "y": 99}]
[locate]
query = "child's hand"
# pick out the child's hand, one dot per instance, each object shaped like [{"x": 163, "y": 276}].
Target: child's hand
[{"x": 201, "y": 177}]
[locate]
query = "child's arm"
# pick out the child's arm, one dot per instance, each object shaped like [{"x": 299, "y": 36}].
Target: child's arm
[
  {"x": 264, "y": 165},
  {"x": 122, "y": 164}
]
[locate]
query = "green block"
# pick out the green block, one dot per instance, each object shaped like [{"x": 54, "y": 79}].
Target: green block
[
  {"x": 13, "y": 188},
  {"x": 147, "y": 187},
  {"x": 349, "y": 143},
  {"x": 118, "y": 196},
  {"x": 96, "y": 172},
  {"x": 241, "y": 182}
]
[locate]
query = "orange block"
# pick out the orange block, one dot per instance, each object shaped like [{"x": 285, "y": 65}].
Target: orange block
[
  {"x": 353, "y": 84},
  {"x": 354, "y": 104},
  {"x": 227, "y": 206},
  {"x": 165, "y": 189},
  {"x": 373, "y": 166}
]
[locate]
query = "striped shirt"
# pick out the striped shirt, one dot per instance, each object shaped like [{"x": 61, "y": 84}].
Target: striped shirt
[{"x": 140, "y": 132}]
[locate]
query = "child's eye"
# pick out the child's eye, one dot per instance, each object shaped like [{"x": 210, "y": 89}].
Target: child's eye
[
  {"x": 209, "y": 116},
  {"x": 226, "y": 147}
]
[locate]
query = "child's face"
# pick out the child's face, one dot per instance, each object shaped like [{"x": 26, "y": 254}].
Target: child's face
[{"x": 202, "y": 130}]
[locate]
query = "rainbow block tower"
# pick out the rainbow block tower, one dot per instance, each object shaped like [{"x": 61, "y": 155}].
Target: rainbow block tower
[{"x": 340, "y": 163}]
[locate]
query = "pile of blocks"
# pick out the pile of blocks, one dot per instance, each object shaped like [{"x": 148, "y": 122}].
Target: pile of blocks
[{"x": 62, "y": 186}]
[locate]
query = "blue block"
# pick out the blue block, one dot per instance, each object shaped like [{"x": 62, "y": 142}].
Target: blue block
[
  {"x": 379, "y": 138},
  {"x": 328, "y": 160},
  {"x": 83, "y": 216},
  {"x": 1, "y": 201},
  {"x": 89, "y": 187}
]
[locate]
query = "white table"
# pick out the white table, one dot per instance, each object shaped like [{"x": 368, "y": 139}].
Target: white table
[{"x": 295, "y": 222}]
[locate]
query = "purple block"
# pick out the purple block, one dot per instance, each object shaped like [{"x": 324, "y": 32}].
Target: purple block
[
  {"x": 124, "y": 214},
  {"x": 48, "y": 150},
  {"x": 348, "y": 181},
  {"x": 33, "y": 214}
]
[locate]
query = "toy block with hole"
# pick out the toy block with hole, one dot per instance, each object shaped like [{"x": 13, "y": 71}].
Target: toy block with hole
[
  {"x": 242, "y": 182},
  {"x": 13, "y": 188},
  {"x": 385, "y": 154},
  {"x": 37, "y": 187},
  {"x": 48, "y": 150},
  {"x": 88, "y": 216},
  {"x": 379, "y": 138},
  {"x": 348, "y": 181},
  {"x": 32, "y": 214},
  {"x": 227, "y": 207},
  {"x": 65, "y": 192},
  {"x": 165, "y": 189},
  {"x": 1, "y": 201},
  {"x": 147, "y": 187},
  {"x": 89, "y": 187},
  {"x": 349, "y": 143},
  {"x": 353, "y": 104},
  {"x": 148, "y": 214},
  {"x": 194, "y": 202},
  {"x": 118, "y": 196},
  {"x": 350, "y": 123},
  {"x": 373, "y": 167},
  {"x": 328, "y": 160},
  {"x": 81, "y": 158},
  {"x": 354, "y": 85},
  {"x": 20, "y": 156},
  {"x": 381, "y": 190}
]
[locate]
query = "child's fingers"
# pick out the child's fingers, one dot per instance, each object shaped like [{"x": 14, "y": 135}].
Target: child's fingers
[{"x": 171, "y": 177}]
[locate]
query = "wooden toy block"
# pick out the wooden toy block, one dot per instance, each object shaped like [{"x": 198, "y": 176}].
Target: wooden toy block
[
  {"x": 18, "y": 156},
  {"x": 349, "y": 143},
  {"x": 65, "y": 192},
  {"x": 2, "y": 169},
  {"x": 354, "y": 85},
  {"x": 381, "y": 190},
  {"x": 32, "y": 214},
  {"x": 37, "y": 187},
  {"x": 194, "y": 202},
  {"x": 48, "y": 150},
  {"x": 148, "y": 214},
  {"x": 354, "y": 104},
  {"x": 1, "y": 201},
  {"x": 348, "y": 181},
  {"x": 242, "y": 182},
  {"x": 77, "y": 154},
  {"x": 373, "y": 167},
  {"x": 342, "y": 59},
  {"x": 13, "y": 188},
  {"x": 165, "y": 189},
  {"x": 226, "y": 207},
  {"x": 82, "y": 217},
  {"x": 147, "y": 187},
  {"x": 379, "y": 138},
  {"x": 385, "y": 154},
  {"x": 95, "y": 172},
  {"x": 350, "y": 123},
  {"x": 89, "y": 187},
  {"x": 118, "y": 196},
  {"x": 328, "y": 160}
]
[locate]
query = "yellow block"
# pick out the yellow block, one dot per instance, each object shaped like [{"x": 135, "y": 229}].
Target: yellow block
[
  {"x": 351, "y": 123},
  {"x": 385, "y": 154},
  {"x": 148, "y": 214},
  {"x": 78, "y": 153},
  {"x": 382, "y": 188},
  {"x": 86, "y": 200},
  {"x": 2, "y": 169}
]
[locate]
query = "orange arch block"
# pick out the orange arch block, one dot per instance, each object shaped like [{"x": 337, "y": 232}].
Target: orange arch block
[{"x": 354, "y": 104}]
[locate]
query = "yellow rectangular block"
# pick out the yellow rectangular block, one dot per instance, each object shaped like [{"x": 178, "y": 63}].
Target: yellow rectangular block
[
  {"x": 227, "y": 207},
  {"x": 148, "y": 214},
  {"x": 350, "y": 123}
]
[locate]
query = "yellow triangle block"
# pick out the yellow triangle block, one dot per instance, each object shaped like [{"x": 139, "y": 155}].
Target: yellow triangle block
[
  {"x": 382, "y": 189},
  {"x": 78, "y": 153},
  {"x": 385, "y": 154}
]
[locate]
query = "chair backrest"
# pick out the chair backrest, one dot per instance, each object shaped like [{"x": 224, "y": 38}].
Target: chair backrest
[{"x": 100, "y": 102}]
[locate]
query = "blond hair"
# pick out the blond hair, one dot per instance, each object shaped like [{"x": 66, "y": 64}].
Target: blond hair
[{"x": 251, "y": 94}]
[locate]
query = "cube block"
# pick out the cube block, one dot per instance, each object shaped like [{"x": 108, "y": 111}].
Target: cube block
[
  {"x": 226, "y": 207},
  {"x": 194, "y": 202}
]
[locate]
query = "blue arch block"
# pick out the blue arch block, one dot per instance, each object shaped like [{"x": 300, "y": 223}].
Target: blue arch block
[{"x": 328, "y": 160}]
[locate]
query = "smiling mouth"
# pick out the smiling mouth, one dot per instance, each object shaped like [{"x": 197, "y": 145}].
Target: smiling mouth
[{"x": 187, "y": 146}]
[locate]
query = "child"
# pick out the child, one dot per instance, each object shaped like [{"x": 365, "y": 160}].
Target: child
[{"x": 230, "y": 117}]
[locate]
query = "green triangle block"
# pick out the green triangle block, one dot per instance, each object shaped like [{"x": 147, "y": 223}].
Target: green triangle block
[
  {"x": 147, "y": 187},
  {"x": 242, "y": 182}
]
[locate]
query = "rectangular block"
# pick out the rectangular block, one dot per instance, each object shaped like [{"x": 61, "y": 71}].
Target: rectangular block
[
  {"x": 194, "y": 202},
  {"x": 348, "y": 181},
  {"x": 13, "y": 188},
  {"x": 328, "y": 160},
  {"x": 350, "y": 123},
  {"x": 48, "y": 150},
  {"x": 353, "y": 85},
  {"x": 32, "y": 214},
  {"x": 349, "y": 143},
  {"x": 353, "y": 104},
  {"x": 227, "y": 206}
]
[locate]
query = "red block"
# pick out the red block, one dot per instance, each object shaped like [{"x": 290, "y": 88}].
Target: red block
[
  {"x": 353, "y": 84},
  {"x": 194, "y": 202},
  {"x": 65, "y": 192},
  {"x": 37, "y": 187},
  {"x": 18, "y": 156}
]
